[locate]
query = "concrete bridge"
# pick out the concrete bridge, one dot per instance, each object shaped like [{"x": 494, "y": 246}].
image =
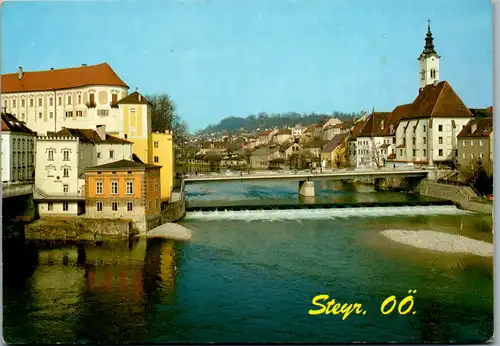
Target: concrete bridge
[
  {"x": 306, "y": 180},
  {"x": 17, "y": 189}
]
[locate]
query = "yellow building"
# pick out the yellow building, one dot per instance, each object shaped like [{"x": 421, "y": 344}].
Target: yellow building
[
  {"x": 163, "y": 155},
  {"x": 334, "y": 153},
  {"x": 151, "y": 148}
]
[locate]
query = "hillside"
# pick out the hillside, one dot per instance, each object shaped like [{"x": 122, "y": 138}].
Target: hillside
[{"x": 264, "y": 120}]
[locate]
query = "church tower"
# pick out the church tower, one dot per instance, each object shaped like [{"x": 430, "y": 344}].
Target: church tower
[{"x": 429, "y": 61}]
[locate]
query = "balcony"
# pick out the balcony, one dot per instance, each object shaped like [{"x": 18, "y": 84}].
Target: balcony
[
  {"x": 113, "y": 104},
  {"x": 91, "y": 104}
]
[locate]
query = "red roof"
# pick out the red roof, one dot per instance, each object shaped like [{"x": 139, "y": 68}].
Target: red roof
[
  {"x": 394, "y": 117},
  {"x": 438, "y": 101},
  {"x": 358, "y": 128},
  {"x": 375, "y": 125},
  {"x": 66, "y": 78},
  {"x": 391, "y": 156}
]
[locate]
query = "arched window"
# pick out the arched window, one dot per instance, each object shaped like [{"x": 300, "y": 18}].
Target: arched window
[{"x": 433, "y": 73}]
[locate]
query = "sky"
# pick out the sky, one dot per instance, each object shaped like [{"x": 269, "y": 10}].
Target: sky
[{"x": 221, "y": 58}]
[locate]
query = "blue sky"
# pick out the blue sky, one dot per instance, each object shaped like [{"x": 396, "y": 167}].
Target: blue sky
[{"x": 219, "y": 58}]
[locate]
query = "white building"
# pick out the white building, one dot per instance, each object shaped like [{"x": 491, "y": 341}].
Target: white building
[
  {"x": 18, "y": 151},
  {"x": 429, "y": 61},
  {"x": 369, "y": 151},
  {"x": 79, "y": 97},
  {"x": 427, "y": 135},
  {"x": 61, "y": 160}
]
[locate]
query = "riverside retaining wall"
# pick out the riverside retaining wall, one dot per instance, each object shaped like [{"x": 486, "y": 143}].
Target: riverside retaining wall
[
  {"x": 175, "y": 211},
  {"x": 458, "y": 194}
]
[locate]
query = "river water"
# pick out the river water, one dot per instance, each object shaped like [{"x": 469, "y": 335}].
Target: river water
[{"x": 251, "y": 277}]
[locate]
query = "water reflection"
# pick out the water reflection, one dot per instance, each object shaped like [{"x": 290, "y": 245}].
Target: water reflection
[{"x": 76, "y": 289}]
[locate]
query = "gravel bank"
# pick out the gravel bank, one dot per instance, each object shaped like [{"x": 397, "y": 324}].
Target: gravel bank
[{"x": 439, "y": 241}]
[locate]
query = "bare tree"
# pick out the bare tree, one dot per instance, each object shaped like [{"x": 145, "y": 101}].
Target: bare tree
[
  {"x": 165, "y": 117},
  {"x": 375, "y": 154}
]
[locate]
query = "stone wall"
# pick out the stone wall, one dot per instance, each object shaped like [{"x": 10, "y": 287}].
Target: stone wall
[
  {"x": 78, "y": 228},
  {"x": 458, "y": 194},
  {"x": 174, "y": 212}
]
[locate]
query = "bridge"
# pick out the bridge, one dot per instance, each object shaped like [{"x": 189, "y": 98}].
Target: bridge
[
  {"x": 306, "y": 180},
  {"x": 13, "y": 189}
]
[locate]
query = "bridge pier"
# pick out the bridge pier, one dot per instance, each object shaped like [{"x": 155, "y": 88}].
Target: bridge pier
[{"x": 306, "y": 188}]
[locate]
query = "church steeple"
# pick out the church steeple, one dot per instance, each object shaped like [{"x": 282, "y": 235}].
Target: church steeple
[{"x": 429, "y": 60}]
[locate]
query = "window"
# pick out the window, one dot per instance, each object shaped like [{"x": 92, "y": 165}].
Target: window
[
  {"x": 130, "y": 187},
  {"x": 114, "y": 98},
  {"x": 414, "y": 129},
  {"x": 51, "y": 114},
  {"x": 414, "y": 152},
  {"x": 464, "y": 155},
  {"x": 31, "y": 102},
  {"x": 50, "y": 206},
  {"x": 440, "y": 140},
  {"x": 424, "y": 152},
  {"x": 98, "y": 155},
  {"x": 114, "y": 206},
  {"x": 69, "y": 114},
  {"x": 65, "y": 206},
  {"x": 472, "y": 142},
  {"x": 69, "y": 100},
  {"x": 156, "y": 144},
  {"x": 40, "y": 115},
  {"x": 114, "y": 187},
  {"x": 91, "y": 98},
  {"x": 79, "y": 99},
  {"x": 111, "y": 154},
  {"x": 99, "y": 187},
  {"x": 59, "y": 101},
  {"x": 149, "y": 204},
  {"x": 481, "y": 156},
  {"x": 394, "y": 140},
  {"x": 39, "y": 102},
  {"x": 103, "y": 112},
  {"x": 14, "y": 103},
  {"x": 130, "y": 206},
  {"x": 65, "y": 188},
  {"x": 51, "y": 101},
  {"x": 156, "y": 159},
  {"x": 464, "y": 143},
  {"x": 156, "y": 185},
  {"x": 440, "y": 128},
  {"x": 23, "y": 103},
  {"x": 448, "y": 128},
  {"x": 50, "y": 155},
  {"x": 472, "y": 155},
  {"x": 481, "y": 143},
  {"x": 66, "y": 172},
  {"x": 132, "y": 110},
  {"x": 99, "y": 206},
  {"x": 424, "y": 140},
  {"x": 66, "y": 155},
  {"x": 414, "y": 141},
  {"x": 79, "y": 114}
]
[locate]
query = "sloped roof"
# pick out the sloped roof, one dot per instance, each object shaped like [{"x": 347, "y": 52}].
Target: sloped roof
[
  {"x": 11, "y": 124},
  {"x": 287, "y": 146},
  {"x": 375, "y": 125},
  {"x": 89, "y": 136},
  {"x": 394, "y": 118},
  {"x": 134, "y": 99},
  {"x": 315, "y": 143},
  {"x": 57, "y": 79},
  {"x": 482, "y": 112},
  {"x": 284, "y": 132},
  {"x": 438, "y": 101},
  {"x": 358, "y": 128},
  {"x": 483, "y": 128},
  {"x": 122, "y": 164},
  {"x": 334, "y": 142}
]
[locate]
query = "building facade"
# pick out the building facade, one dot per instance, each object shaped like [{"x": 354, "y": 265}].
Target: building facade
[
  {"x": 61, "y": 160},
  {"x": 124, "y": 190},
  {"x": 80, "y": 97},
  {"x": 18, "y": 151},
  {"x": 475, "y": 145},
  {"x": 163, "y": 155}
]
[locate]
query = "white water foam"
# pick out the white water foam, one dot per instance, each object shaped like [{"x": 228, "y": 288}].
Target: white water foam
[{"x": 330, "y": 213}]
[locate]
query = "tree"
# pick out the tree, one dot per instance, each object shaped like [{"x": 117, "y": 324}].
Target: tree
[
  {"x": 478, "y": 178},
  {"x": 376, "y": 157},
  {"x": 165, "y": 117}
]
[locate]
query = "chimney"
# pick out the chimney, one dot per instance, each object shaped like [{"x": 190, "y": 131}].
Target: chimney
[
  {"x": 20, "y": 72},
  {"x": 139, "y": 97},
  {"x": 435, "y": 83},
  {"x": 473, "y": 128},
  {"x": 382, "y": 123},
  {"x": 101, "y": 131}
]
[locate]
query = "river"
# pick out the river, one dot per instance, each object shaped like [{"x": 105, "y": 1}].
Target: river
[{"x": 251, "y": 277}]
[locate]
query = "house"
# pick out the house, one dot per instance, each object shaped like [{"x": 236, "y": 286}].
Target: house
[
  {"x": 427, "y": 134},
  {"x": 297, "y": 131},
  {"x": 370, "y": 141},
  {"x": 163, "y": 156},
  {"x": 213, "y": 147},
  {"x": 333, "y": 130},
  {"x": 289, "y": 149},
  {"x": 352, "y": 147},
  {"x": 317, "y": 131},
  {"x": 334, "y": 153},
  {"x": 61, "y": 160},
  {"x": 331, "y": 122},
  {"x": 261, "y": 156},
  {"x": 282, "y": 136},
  {"x": 314, "y": 147},
  {"x": 388, "y": 148},
  {"x": 266, "y": 136},
  {"x": 124, "y": 189},
  {"x": 18, "y": 151},
  {"x": 233, "y": 160},
  {"x": 475, "y": 145},
  {"x": 52, "y": 99}
]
